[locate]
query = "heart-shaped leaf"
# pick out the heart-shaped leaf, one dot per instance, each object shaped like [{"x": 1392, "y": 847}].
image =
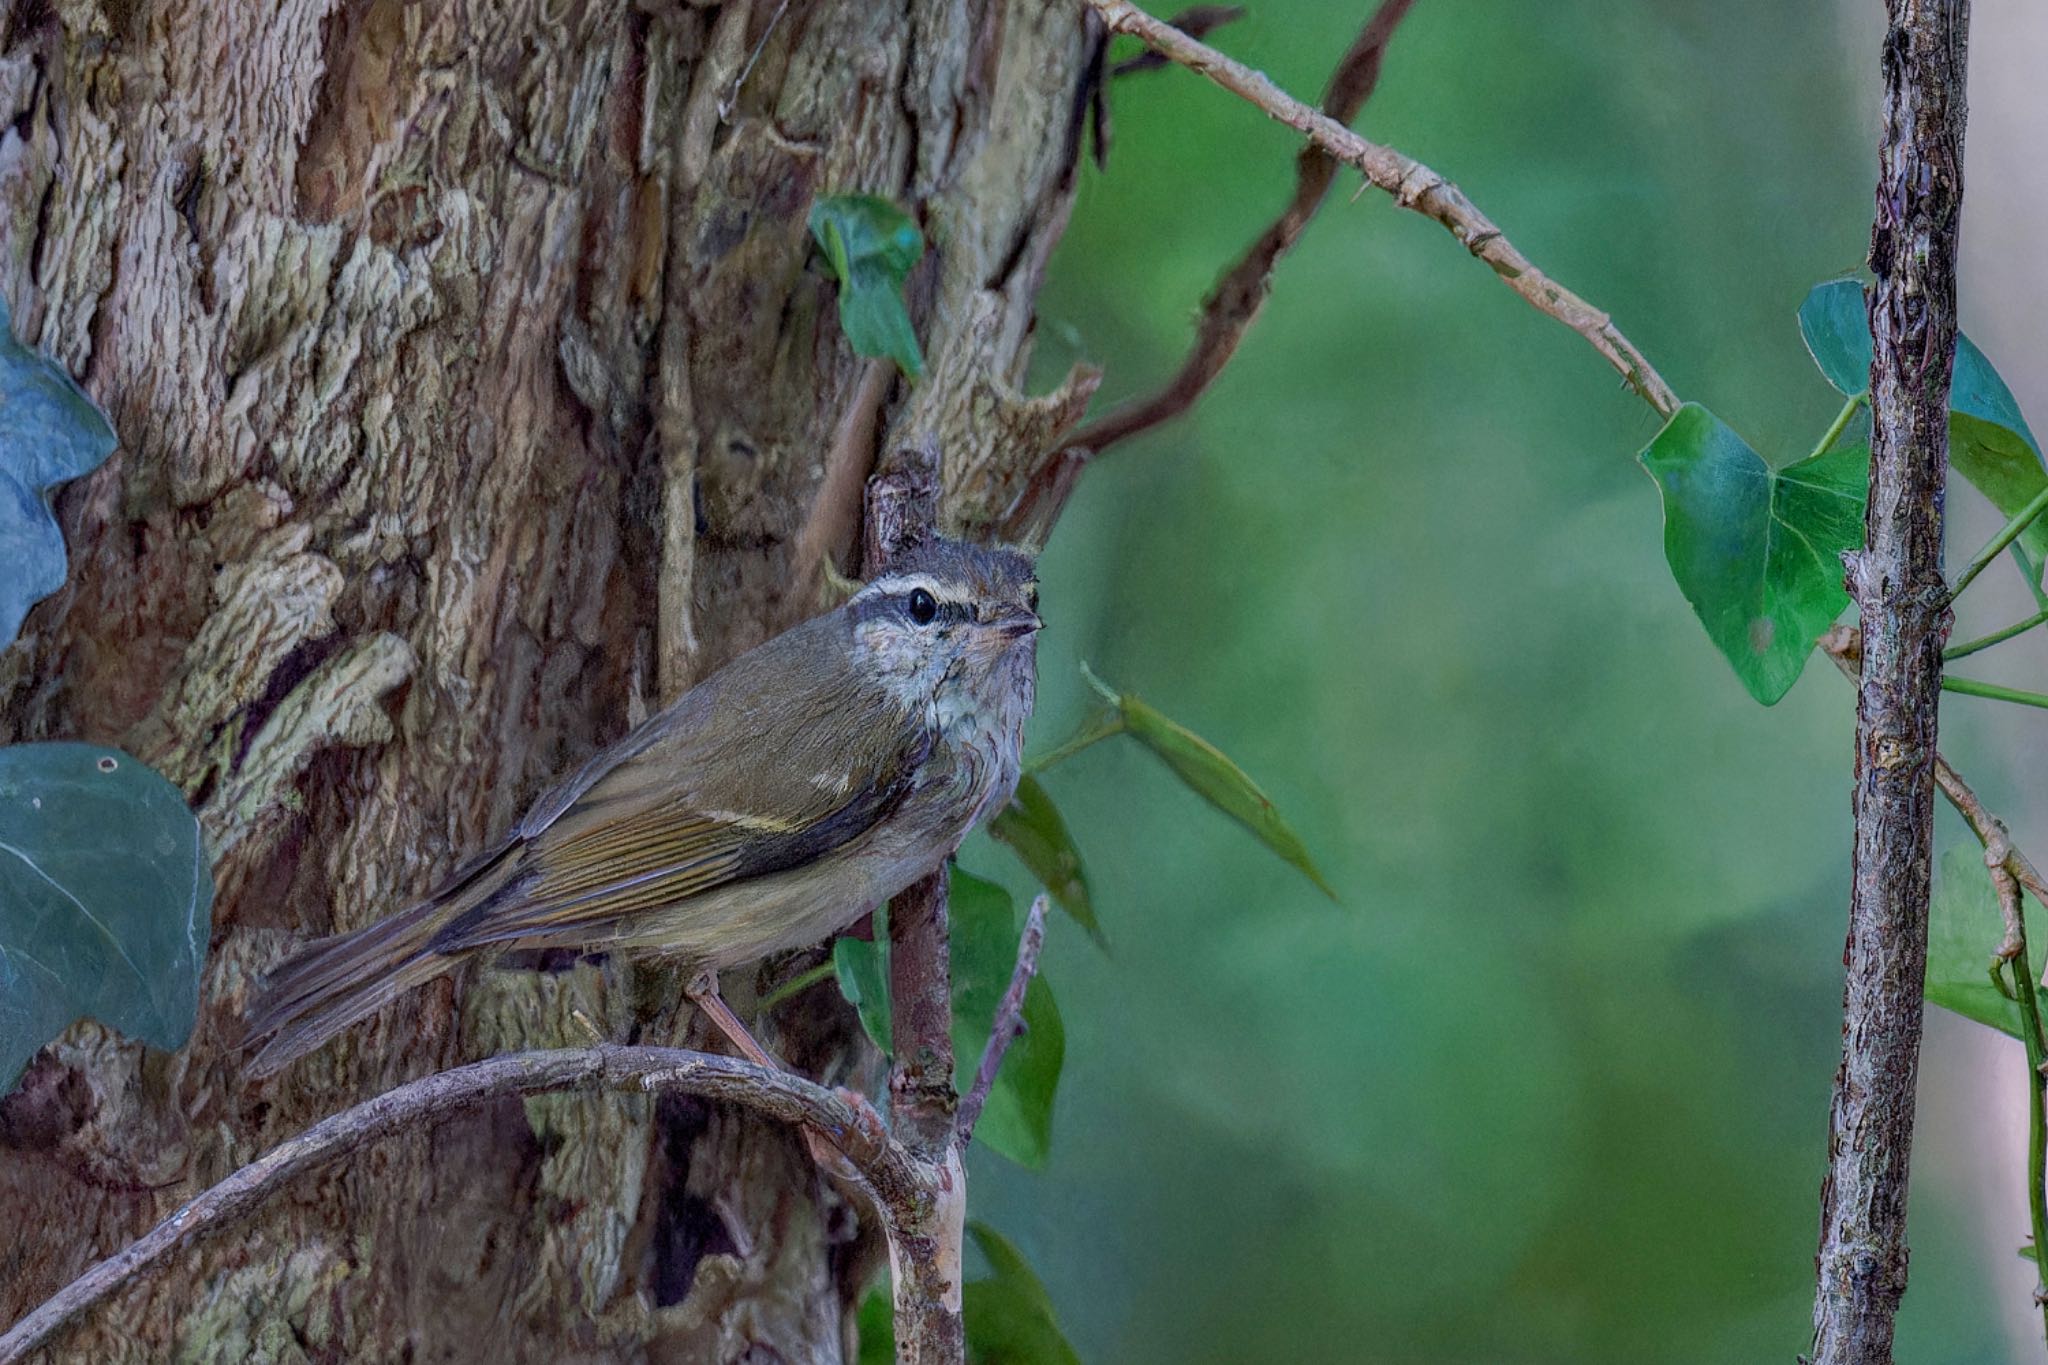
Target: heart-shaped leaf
[
  {"x": 1033, "y": 828},
  {"x": 1964, "y": 926},
  {"x": 105, "y": 899},
  {"x": 1757, "y": 551},
  {"x": 872, "y": 246},
  {"x": 1989, "y": 442},
  {"x": 1017, "y": 1121},
  {"x": 49, "y": 432}
]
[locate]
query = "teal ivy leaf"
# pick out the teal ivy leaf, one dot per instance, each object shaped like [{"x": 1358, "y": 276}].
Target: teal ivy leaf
[
  {"x": 1757, "y": 551},
  {"x": 985, "y": 927},
  {"x": 1989, "y": 442},
  {"x": 872, "y": 246},
  {"x": 49, "y": 432},
  {"x": 1964, "y": 925},
  {"x": 1009, "y": 1316},
  {"x": 105, "y": 900},
  {"x": 1036, "y": 832}
]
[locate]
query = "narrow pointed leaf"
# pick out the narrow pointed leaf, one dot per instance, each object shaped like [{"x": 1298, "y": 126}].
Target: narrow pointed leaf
[
  {"x": 872, "y": 245},
  {"x": 1033, "y": 828},
  {"x": 1219, "y": 781},
  {"x": 105, "y": 900},
  {"x": 49, "y": 432},
  {"x": 1989, "y": 441},
  {"x": 985, "y": 927},
  {"x": 1757, "y": 551}
]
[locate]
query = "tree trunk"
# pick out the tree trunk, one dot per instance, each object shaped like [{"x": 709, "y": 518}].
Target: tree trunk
[{"x": 478, "y": 388}]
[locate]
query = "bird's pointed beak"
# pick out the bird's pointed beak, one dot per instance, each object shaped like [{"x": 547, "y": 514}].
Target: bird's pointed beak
[{"x": 1017, "y": 626}]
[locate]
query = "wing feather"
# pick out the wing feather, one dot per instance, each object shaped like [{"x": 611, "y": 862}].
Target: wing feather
[{"x": 708, "y": 792}]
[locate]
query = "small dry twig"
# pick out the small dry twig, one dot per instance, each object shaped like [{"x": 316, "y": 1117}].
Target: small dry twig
[
  {"x": 1234, "y": 304},
  {"x": 1413, "y": 185},
  {"x": 1009, "y": 1022}
]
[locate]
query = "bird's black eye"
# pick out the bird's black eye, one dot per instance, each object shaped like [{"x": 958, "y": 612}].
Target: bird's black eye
[
  {"x": 923, "y": 607},
  {"x": 1031, "y": 597}
]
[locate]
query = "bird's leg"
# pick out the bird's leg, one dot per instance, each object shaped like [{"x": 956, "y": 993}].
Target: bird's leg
[{"x": 702, "y": 991}]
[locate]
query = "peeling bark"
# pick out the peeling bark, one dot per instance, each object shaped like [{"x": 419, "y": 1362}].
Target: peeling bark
[{"x": 475, "y": 377}]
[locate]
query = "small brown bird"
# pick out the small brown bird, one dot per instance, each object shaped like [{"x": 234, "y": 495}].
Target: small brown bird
[{"x": 775, "y": 803}]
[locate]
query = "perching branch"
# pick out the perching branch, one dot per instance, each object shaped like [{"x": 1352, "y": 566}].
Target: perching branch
[
  {"x": 1902, "y": 602},
  {"x": 902, "y": 508},
  {"x": 903, "y": 1187},
  {"x": 1009, "y": 1021},
  {"x": 1413, "y": 185}
]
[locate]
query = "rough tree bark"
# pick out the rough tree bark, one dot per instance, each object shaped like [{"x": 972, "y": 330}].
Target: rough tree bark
[
  {"x": 477, "y": 388},
  {"x": 1903, "y": 604}
]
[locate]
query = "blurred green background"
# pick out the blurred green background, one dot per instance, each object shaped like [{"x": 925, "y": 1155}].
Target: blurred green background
[{"x": 1551, "y": 1083}]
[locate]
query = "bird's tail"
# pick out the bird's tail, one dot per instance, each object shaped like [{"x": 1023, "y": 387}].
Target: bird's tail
[{"x": 332, "y": 983}]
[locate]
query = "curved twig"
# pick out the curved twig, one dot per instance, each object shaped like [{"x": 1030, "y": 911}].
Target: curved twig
[
  {"x": 902, "y": 1186},
  {"x": 1009, "y": 1022},
  {"x": 1413, "y": 185}
]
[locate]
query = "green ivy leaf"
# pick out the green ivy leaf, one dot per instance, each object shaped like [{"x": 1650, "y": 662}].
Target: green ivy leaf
[
  {"x": 1964, "y": 925},
  {"x": 1009, "y": 1316},
  {"x": 105, "y": 900},
  {"x": 1757, "y": 551},
  {"x": 1989, "y": 442},
  {"x": 872, "y": 246},
  {"x": 1035, "y": 831},
  {"x": 49, "y": 432},
  {"x": 1224, "y": 785},
  {"x": 985, "y": 927}
]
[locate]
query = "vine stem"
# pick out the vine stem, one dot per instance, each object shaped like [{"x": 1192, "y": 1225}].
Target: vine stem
[
  {"x": 1995, "y": 547},
  {"x": 1970, "y": 687},
  {"x": 2037, "y": 1083},
  {"x": 1841, "y": 423},
  {"x": 1996, "y": 637}
]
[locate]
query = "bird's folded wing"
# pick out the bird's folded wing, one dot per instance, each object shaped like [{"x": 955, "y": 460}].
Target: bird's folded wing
[{"x": 675, "y": 816}]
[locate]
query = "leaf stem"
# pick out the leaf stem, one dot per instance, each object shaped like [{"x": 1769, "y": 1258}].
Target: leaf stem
[
  {"x": 1970, "y": 687},
  {"x": 2037, "y": 1122},
  {"x": 1996, "y": 637},
  {"x": 1834, "y": 432},
  {"x": 2021, "y": 520},
  {"x": 1102, "y": 725},
  {"x": 795, "y": 986}
]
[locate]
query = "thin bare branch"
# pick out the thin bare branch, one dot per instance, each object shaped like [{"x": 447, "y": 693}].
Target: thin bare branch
[
  {"x": 1413, "y": 185},
  {"x": 1234, "y": 304},
  {"x": 1231, "y": 308},
  {"x": 902, "y": 1186},
  {"x": 1197, "y": 21},
  {"x": 1896, "y": 581},
  {"x": 1009, "y": 1020}
]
